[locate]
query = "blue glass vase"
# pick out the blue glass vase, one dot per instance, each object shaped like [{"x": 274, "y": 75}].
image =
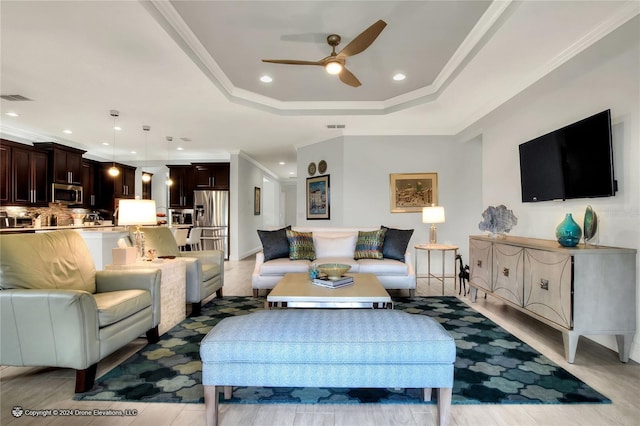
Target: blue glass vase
[{"x": 568, "y": 232}]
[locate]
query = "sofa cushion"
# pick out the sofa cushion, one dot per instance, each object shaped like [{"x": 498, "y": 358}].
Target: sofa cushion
[
  {"x": 275, "y": 244},
  {"x": 369, "y": 245},
  {"x": 49, "y": 260},
  {"x": 339, "y": 245},
  {"x": 395, "y": 243},
  {"x": 279, "y": 267},
  {"x": 300, "y": 245},
  {"x": 159, "y": 238},
  {"x": 382, "y": 267},
  {"x": 114, "y": 306}
]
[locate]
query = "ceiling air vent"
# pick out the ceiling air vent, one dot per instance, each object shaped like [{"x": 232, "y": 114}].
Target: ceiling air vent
[
  {"x": 14, "y": 98},
  {"x": 335, "y": 126}
]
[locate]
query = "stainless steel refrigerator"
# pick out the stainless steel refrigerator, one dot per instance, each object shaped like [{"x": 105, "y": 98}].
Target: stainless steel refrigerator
[{"x": 211, "y": 210}]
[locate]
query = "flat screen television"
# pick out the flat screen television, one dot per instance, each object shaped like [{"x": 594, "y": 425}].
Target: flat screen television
[{"x": 575, "y": 161}]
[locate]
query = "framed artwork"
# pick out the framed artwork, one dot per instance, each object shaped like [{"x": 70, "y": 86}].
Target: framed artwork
[
  {"x": 410, "y": 192},
  {"x": 318, "y": 198},
  {"x": 256, "y": 201}
]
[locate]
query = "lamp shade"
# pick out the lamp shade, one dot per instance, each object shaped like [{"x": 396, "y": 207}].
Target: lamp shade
[
  {"x": 433, "y": 214},
  {"x": 137, "y": 212}
]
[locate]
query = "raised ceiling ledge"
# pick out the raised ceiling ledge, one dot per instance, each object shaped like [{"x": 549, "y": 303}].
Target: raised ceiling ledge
[{"x": 166, "y": 15}]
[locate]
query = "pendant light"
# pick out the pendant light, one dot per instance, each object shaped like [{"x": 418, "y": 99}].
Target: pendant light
[
  {"x": 169, "y": 182},
  {"x": 113, "y": 170},
  {"x": 146, "y": 177}
]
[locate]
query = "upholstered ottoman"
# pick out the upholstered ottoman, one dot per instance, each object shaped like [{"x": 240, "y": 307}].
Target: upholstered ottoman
[{"x": 328, "y": 348}]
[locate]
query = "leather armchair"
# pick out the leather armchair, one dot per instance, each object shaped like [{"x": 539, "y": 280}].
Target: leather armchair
[
  {"x": 57, "y": 310},
  {"x": 205, "y": 268}
]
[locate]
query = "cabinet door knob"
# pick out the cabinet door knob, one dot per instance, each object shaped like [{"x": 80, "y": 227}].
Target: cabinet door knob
[
  {"x": 505, "y": 272},
  {"x": 479, "y": 263},
  {"x": 544, "y": 284}
]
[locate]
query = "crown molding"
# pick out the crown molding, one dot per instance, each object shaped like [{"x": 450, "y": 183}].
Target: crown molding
[
  {"x": 625, "y": 13},
  {"x": 166, "y": 15}
]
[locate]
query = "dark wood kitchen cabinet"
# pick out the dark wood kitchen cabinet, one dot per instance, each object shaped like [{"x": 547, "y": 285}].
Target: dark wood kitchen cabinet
[
  {"x": 89, "y": 199},
  {"x": 108, "y": 187},
  {"x": 65, "y": 162},
  {"x": 146, "y": 187},
  {"x": 29, "y": 181},
  {"x": 5, "y": 173},
  {"x": 181, "y": 190},
  {"x": 211, "y": 175}
]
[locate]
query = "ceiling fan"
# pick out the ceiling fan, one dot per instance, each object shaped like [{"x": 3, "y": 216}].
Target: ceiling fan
[{"x": 334, "y": 63}]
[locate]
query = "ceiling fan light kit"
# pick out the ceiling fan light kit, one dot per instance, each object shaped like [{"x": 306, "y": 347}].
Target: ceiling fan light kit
[
  {"x": 335, "y": 62},
  {"x": 333, "y": 68}
]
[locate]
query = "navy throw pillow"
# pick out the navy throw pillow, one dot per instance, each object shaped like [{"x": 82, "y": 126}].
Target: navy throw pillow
[
  {"x": 275, "y": 244},
  {"x": 395, "y": 243}
]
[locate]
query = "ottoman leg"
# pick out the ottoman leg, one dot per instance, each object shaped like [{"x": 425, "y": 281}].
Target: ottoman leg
[
  {"x": 211, "y": 405},
  {"x": 444, "y": 405}
]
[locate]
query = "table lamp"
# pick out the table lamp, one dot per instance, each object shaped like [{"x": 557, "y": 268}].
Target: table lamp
[
  {"x": 433, "y": 215},
  {"x": 137, "y": 213}
]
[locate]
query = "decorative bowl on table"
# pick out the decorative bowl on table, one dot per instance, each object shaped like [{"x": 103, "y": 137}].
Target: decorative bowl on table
[{"x": 333, "y": 270}]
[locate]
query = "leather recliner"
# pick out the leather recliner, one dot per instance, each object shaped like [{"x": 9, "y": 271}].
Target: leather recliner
[
  {"x": 205, "y": 268},
  {"x": 57, "y": 310}
]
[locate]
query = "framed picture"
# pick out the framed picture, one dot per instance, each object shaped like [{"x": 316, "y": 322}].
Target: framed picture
[
  {"x": 256, "y": 201},
  {"x": 318, "y": 198},
  {"x": 410, "y": 192}
]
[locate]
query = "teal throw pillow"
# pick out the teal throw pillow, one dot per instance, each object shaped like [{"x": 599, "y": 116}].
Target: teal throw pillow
[
  {"x": 369, "y": 245},
  {"x": 300, "y": 245}
]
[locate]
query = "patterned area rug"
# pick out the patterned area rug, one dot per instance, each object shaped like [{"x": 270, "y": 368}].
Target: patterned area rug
[{"x": 492, "y": 366}]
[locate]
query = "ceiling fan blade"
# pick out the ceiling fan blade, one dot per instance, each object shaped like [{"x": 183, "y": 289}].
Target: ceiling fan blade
[
  {"x": 292, "y": 62},
  {"x": 363, "y": 40},
  {"x": 347, "y": 77}
]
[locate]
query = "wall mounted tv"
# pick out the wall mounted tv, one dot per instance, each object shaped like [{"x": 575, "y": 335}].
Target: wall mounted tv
[{"x": 575, "y": 161}]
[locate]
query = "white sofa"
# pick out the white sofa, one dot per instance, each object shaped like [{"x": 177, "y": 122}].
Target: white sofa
[{"x": 335, "y": 245}]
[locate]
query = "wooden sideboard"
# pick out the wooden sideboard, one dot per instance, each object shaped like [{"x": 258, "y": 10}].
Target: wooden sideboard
[{"x": 582, "y": 290}]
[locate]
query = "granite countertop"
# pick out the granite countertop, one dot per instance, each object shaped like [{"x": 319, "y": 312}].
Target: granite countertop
[
  {"x": 54, "y": 228},
  {"x": 84, "y": 228}
]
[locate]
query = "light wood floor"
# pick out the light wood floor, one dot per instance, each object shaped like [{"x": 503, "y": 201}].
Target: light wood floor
[{"x": 50, "y": 388}]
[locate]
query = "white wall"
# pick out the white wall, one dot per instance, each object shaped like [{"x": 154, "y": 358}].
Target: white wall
[
  {"x": 607, "y": 75},
  {"x": 360, "y": 184},
  {"x": 246, "y": 174},
  {"x": 331, "y": 151},
  {"x": 289, "y": 214},
  {"x": 270, "y": 208}
]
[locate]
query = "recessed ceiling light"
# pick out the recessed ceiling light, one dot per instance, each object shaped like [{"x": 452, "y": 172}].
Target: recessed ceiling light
[
  {"x": 291, "y": 173},
  {"x": 179, "y": 148},
  {"x": 399, "y": 77},
  {"x": 67, "y": 131},
  {"x": 282, "y": 163},
  {"x": 266, "y": 79},
  {"x": 12, "y": 114},
  {"x": 133, "y": 152},
  {"x": 105, "y": 143},
  {"x": 117, "y": 128}
]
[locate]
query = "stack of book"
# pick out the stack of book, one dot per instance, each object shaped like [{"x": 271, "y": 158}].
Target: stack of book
[{"x": 325, "y": 282}]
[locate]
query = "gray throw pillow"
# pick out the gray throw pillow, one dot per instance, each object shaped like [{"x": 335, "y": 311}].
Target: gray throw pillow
[
  {"x": 275, "y": 244},
  {"x": 395, "y": 243}
]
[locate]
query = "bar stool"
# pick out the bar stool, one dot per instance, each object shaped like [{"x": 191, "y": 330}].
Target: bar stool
[
  {"x": 193, "y": 240},
  {"x": 180, "y": 235}
]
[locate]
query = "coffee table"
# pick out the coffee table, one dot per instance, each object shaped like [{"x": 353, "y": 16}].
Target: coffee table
[{"x": 295, "y": 290}]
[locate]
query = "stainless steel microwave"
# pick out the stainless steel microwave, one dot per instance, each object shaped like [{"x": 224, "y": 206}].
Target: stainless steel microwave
[{"x": 66, "y": 194}]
